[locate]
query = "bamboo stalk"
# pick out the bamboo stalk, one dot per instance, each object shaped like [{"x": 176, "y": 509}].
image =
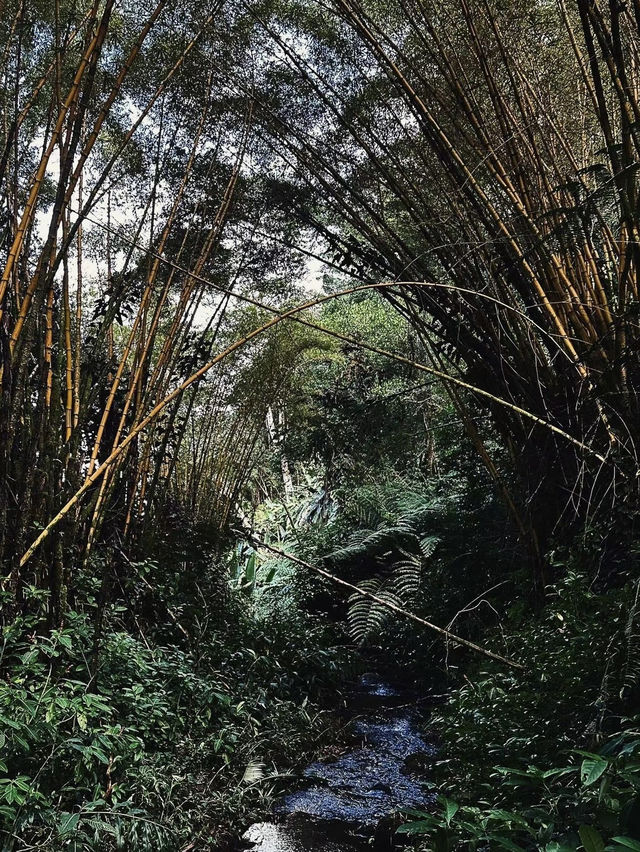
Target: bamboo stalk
[
  {"x": 160, "y": 406},
  {"x": 30, "y": 206}
]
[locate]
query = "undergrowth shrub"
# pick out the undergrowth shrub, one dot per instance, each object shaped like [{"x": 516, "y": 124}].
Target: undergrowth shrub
[
  {"x": 548, "y": 758},
  {"x": 162, "y": 745}
]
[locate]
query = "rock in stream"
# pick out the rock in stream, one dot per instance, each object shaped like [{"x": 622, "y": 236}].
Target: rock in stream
[{"x": 344, "y": 803}]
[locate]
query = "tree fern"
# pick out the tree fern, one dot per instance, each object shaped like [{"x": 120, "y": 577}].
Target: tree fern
[
  {"x": 414, "y": 512},
  {"x": 369, "y": 544},
  {"x": 398, "y": 548}
]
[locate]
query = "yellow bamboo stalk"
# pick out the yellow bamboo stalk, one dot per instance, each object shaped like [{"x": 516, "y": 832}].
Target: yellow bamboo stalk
[
  {"x": 426, "y": 284},
  {"x": 238, "y": 344},
  {"x": 48, "y": 347},
  {"x": 471, "y": 180},
  {"x": 78, "y": 318},
  {"x": 108, "y": 103},
  {"x": 194, "y": 277},
  {"x": 151, "y": 279},
  {"x": 68, "y": 353},
  {"x": 30, "y": 206},
  {"x": 41, "y": 83},
  {"x": 96, "y": 42}
]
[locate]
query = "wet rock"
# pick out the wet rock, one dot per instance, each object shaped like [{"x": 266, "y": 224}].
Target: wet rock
[{"x": 271, "y": 837}]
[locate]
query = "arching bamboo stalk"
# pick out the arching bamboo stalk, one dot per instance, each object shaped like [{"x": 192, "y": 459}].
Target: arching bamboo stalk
[
  {"x": 30, "y": 206},
  {"x": 290, "y": 314},
  {"x": 362, "y": 344}
]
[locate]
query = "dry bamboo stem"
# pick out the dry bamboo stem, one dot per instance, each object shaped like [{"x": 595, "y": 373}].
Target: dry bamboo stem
[{"x": 450, "y": 637}]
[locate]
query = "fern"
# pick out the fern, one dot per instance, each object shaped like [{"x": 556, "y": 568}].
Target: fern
[
  {"x": 372, "y": 505},
  {"x": 399, "y": 546},
  {"x": 428, "y": 544},
  {"x": 368, "y": 544},
  {"x": 414, "y": 512},
  {"x": 367, "y": 617}
]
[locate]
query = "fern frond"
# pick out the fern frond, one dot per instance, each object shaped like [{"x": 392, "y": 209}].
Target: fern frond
[
  {"x": 366, "y": 617},
  {"x": 406, "y": 578},
  {"x": 428, "y": 545},
  {"x": 412, "y": 513},
  {"x": 367, "y": 544}
]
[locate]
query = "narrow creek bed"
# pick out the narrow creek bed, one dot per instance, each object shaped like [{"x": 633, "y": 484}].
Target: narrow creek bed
[{"x": 347, "y": 803}]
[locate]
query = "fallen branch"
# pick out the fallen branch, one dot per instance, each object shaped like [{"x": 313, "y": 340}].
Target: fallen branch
[{"x": 450, "y": 637}]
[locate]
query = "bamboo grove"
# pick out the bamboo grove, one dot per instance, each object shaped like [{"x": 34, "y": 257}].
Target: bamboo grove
[
  {"x": 164, "y": 163},
  {"x": 493, "y": 151}
]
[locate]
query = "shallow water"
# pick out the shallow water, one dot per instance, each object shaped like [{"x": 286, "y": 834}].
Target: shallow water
[{"x": 341, "y": 805}]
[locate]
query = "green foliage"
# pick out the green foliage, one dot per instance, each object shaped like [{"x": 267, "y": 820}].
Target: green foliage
[
  {"x": 398, "y": 536},
  {"x": 547, "y": 759},
  {"x": 366, "y": 617},
  {"x": 351, "y": 409},
  {"x": 403, "y": 549},
  {"x": 632, "y": 640},
  {"x": 155, "y": 748}
]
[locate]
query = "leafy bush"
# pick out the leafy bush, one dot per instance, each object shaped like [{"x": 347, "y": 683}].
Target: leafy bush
[
  {"x": 161, "y": 745},
  {"x": 548, "y": 759}
]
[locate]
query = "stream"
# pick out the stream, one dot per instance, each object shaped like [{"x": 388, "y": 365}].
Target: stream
[{"x": 350, "y": 803}]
